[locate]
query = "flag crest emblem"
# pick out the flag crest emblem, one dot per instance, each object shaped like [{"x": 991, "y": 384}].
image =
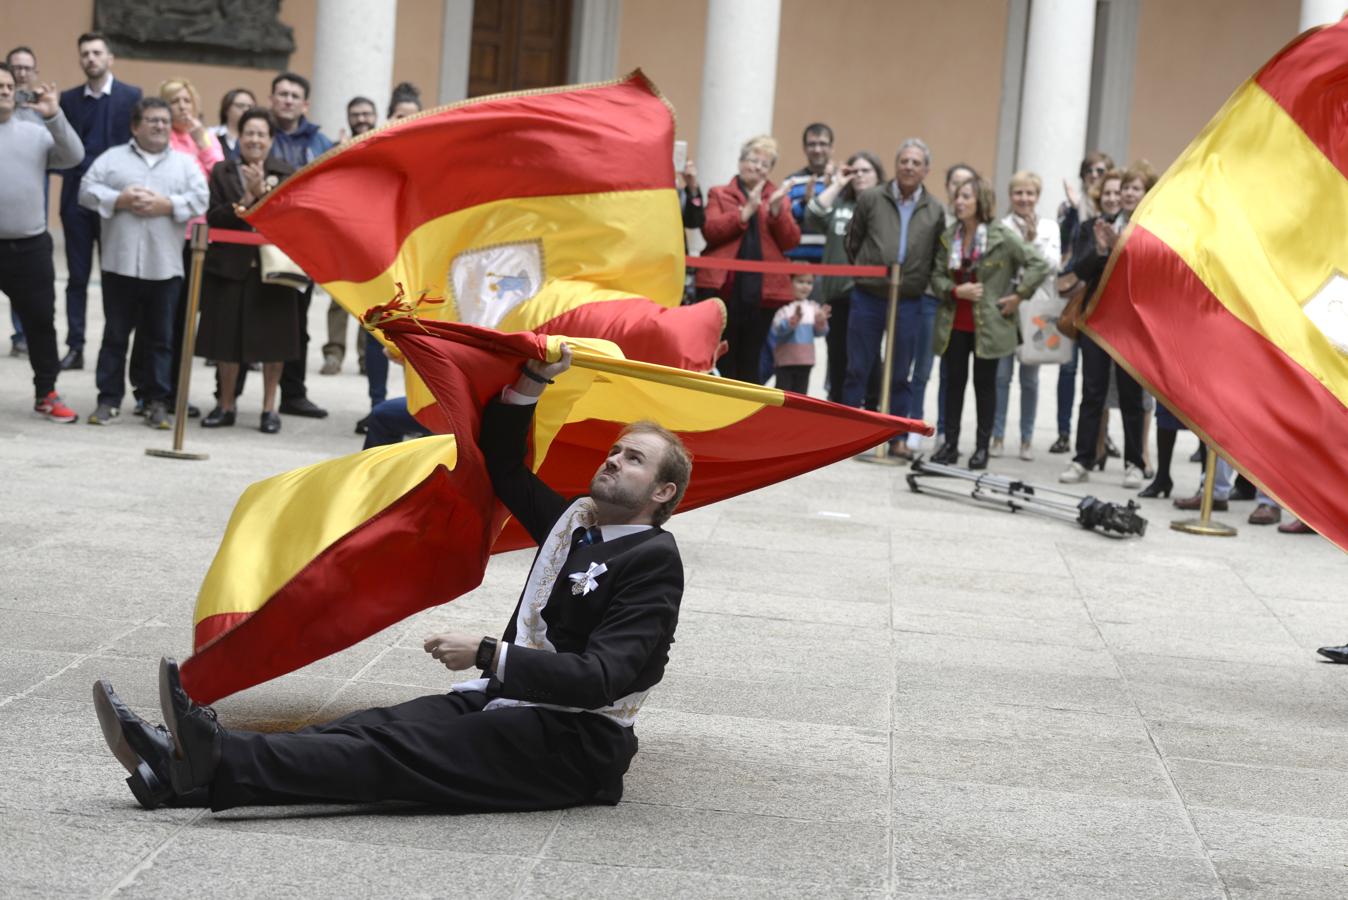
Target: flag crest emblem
[{"x": 489, "y": 282}]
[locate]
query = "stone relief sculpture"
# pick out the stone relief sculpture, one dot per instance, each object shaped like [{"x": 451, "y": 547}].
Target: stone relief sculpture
[{"x": 219, "y": 32}]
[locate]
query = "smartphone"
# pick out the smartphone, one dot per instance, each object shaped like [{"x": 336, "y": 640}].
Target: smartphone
[
  {"x": 22, "y": 97},
  {"x": 680, "y": 155}
]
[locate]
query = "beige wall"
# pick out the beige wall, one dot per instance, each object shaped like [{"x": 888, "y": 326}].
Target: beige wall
[
  {"x": 856, "y": 64},
  {"x": 52, "y": 36},
  {"x": 1191, "y": 56}
]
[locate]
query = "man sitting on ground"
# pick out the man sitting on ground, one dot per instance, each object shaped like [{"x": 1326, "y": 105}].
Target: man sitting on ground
[{"x": 550, "y": 724}]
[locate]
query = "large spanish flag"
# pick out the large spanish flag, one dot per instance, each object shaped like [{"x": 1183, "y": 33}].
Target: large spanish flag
[
  {"x": 317, "y": 559},
  {"x": 546, "y": 210},
  {"x": 1227, "y": 296}
]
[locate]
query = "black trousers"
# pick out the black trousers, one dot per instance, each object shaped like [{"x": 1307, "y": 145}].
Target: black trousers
[
  {"x": 292, "y": 374},
  {"x": 793, "y": 378},
  {"x": 28, "y": 278},
  {"x": 82, "y": 228},
  {"x": 142, "y": 306},
  {"x": 1096, "y": 365},
  {"x": 441, "y": 750},
  {"x": 956, "y": 360},
  {"x": 746, "y": 331}
]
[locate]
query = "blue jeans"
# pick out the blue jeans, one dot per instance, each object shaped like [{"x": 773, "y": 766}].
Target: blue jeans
[
  {"x": 1067, "y": 390},
  {"x": 390, "y": 422},
  {"x": 136, "y": 305},
  {"x": 376, "y": 371},
  {"x": 913, "y": 353},
  {"x": 1029, "y": 398}
]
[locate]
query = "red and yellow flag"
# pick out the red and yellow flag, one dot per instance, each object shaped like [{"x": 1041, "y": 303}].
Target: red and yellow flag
[
  {"x": 1227, "y": 296},
  {"x": 317, "y": 559},
  {"x": 522, "y": 212}
]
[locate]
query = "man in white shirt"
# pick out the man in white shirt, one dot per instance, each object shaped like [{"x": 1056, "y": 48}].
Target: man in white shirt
[{"x": 143, "y": 193}]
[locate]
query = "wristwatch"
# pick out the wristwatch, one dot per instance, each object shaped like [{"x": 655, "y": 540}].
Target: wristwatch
[{"x": 486, "y": 652}]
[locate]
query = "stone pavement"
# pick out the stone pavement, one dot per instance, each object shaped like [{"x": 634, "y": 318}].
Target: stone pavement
[{"x": 874, "y": 693}]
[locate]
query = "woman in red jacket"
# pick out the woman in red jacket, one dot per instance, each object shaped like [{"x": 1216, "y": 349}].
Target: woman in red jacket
[{"x": 741, "y": 225}]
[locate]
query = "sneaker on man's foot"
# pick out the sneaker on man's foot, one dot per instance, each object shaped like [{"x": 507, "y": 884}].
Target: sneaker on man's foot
[
  {"x": 332, "y": 364},
  {"x": 1074, "y": 474},
  {"x": 51, "y": 407},
  {"x": 157, "y": 417},
  {"x": 1132, "y": 477},
  {"x": 104, "y": 415},
  {"x": 996, "y": 449},
  {"x": 18, "y": 348}
]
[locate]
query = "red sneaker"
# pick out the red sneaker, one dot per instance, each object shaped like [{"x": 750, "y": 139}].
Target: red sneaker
[{"x": 52, "y": 408}]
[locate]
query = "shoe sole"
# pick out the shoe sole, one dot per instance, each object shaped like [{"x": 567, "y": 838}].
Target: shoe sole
[
  {"x": 58, "y": 420},
  {"x": 111, "y": 726}
]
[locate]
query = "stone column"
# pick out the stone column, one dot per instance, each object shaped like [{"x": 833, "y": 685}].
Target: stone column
[
  {"x": 1056, "y": 95},
  {"x": 595, "y": 25},
  {"x": 1320, "y": 12},
  {"x": 353, "y": 55},
  {"x": 456, "y": 47},
  {"x": 739, "y": 82}
]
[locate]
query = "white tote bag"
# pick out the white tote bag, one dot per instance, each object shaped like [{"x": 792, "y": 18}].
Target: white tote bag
[{"x": 1041, "y": 341}]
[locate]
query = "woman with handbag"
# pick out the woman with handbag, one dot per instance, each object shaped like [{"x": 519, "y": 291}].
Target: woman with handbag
[
  {"x": 243, "y": 319},
  {"x": 1096, "y": 239},
  {"x": 977, "y": 261},
  {"x": 1042, "y": 234},
  {"x": 748, "y": 219}
]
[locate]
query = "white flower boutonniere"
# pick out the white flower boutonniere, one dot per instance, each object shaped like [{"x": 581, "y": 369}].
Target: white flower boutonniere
[{"x": 584, "y": 582}]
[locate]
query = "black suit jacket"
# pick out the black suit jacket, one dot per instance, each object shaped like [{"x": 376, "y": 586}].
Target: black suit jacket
[
  {"x": 610, "y": 642},
  {"x": 234, "y": 261},
  {"x": 116, "y": 130}
]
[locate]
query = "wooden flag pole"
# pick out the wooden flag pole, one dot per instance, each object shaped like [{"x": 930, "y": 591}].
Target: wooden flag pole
[
  {"x": 1204, "y": 524},
  {"x": 198, "y": 247},
  {"x": 881, "y": 454}
]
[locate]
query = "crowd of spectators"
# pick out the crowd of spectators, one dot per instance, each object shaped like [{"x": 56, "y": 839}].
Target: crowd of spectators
[{"x": 135, "y": 168}]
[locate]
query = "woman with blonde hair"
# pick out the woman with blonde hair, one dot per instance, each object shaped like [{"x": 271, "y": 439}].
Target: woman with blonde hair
[
  {"x": 738, "y": 226},
  {"x": 983, "y": 272},
  {"x": 189, "y": 134},
  {"x": 1042, "y": 234}
]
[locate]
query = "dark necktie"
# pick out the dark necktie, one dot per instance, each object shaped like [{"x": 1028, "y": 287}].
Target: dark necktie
[{"x": 586, "y": 536}]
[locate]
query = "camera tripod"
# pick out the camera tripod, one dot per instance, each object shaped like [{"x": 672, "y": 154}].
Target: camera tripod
[{"x": 999, "y": 490}]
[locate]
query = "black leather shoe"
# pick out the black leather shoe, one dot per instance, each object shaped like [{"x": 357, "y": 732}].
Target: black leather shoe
[
  {"x": 303, "y": 407},
  {"x": 72, "y": 361},
  {"x": 197, "y": 736},
  {"x": 1062, "y": 445},
  {"x": 193, "y": 411},
  {"x": 1157, "y": 488},
  {"x": 363, "y": 425},
  {"x": 1335, "y": 654},
  {"x": 143, "y": 749},
  {"x": 980, "y": 459},
  {"x": 218, "y": 418},
  {"x": 271, "y": 423},
  {"x": 947, "y": 455}
]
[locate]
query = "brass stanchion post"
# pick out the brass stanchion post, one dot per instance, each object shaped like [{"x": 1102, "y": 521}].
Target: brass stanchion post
[
  {"x": 198, "y": 247},
  {"x": 881, "y": 454},
  {"x": 1204, "y": 524}
]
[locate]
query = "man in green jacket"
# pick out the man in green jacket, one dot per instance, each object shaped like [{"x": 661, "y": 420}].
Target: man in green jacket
[{"x": 897, "y": 222}]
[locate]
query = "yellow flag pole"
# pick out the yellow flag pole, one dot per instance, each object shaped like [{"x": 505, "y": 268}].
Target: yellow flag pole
[
  {"x": 1204, "y": 524},
  {"x": 198, "y": 247}
]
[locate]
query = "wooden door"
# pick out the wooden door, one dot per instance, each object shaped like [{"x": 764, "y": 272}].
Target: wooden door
[{"x": 518, "y": 45}]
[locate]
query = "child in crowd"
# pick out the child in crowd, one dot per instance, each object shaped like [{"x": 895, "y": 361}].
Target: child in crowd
[{"x": 794, "y": 328}]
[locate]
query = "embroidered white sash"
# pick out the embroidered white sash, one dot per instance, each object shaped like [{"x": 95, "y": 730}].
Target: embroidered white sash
[{"x": 532, "y": 632}]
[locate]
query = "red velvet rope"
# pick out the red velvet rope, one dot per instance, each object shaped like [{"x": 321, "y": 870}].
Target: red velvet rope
[{"x": 226, "y": 236}]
